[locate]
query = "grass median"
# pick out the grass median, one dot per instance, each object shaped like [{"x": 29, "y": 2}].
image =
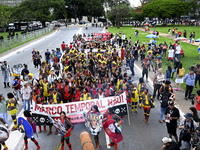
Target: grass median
[
  {"x": 13, "y": 45},
  {"x": 190, "y": 51}
]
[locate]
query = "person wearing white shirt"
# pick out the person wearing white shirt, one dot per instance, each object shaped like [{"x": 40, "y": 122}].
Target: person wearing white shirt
[
  {"x": 116, "y": 45},
  {"x": 170, "y": 54},
  {"x": 52, "y": 77},
  {"x": 25, "y": 95},
  {"x": 178, "y": 51},
  {"x": 123, "y": 37}
]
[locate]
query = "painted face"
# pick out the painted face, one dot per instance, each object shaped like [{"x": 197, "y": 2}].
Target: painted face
[{"x": 62, "y": 116}]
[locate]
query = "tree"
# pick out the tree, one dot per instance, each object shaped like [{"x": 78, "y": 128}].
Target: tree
[
  {"x": 195, "y": 8},
  {"x": 166, "y": 9},
  {"x": 79, "y": 8},
  {"x": 5, "y": 16},
  {"x": 94, "y": 8},
  {"x": 39, "y": 10},
  {"x": 143, "y": 2},
  {"x": 118, "y": 13}
]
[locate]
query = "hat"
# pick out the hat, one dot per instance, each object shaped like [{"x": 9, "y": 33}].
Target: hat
[
  {"x": 188, "y": 116},
  {"x": 166, "y": 140},
  {"x": 30, "y": 74},
  {"x": 53, "y": 50},
  {"x": 171, "y": 102},
  {"x": 167, "y": 82}
]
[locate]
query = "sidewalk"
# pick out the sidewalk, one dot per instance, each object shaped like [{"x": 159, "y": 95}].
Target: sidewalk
[
  {"x": 15, "y": 140},
  {"x": 168, "y": 36}
]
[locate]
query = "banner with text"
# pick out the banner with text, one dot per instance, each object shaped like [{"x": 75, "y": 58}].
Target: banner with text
[{"x": 74, "y": 110}]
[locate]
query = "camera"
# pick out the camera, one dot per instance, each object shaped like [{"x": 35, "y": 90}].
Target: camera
[
  {"x": 192, "y": 96},
  {"x": 194, "y": 141},
  {"x": 186, "y": 127}
]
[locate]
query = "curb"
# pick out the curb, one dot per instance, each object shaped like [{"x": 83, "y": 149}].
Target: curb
[
  {"x": 150, "y": 84},
  {"x": 20, "y": 48},
  {"x": 15, "y": 140}
]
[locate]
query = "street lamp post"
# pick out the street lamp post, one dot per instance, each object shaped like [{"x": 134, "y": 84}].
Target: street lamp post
[{"x": 66, "y": 22}]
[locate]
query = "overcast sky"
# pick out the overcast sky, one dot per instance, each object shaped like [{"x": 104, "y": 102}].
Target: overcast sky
[{"x": 135, "y": 3}]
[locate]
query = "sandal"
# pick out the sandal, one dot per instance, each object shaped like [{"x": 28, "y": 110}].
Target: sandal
[
  {"x": 111, "y": 144},
  {"x": 137, "y": 112},
  {"x": 160, "y": 121},
  {"x": 45, "y": 131},
  {"x": 56, "y": 132},
  {"x": 13, "y": 129},
  {"x": 39, "y": 131},
  {"x": 49, "y": 133}
]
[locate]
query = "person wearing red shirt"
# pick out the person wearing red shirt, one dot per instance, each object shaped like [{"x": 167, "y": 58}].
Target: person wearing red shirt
[
  {"x": 63, "y": 46},
  {"x": 67, "y": 92},
  {"x": 110, "y": 115},
  {"x": 179, "y": 34},
  {"x": 93, "y": 91},
  {"x": 68, "y": 127},
  {"x": 197, "y": 99},
  {"x": 77, "y": 94},
  {"x": 70, "y": 45}
]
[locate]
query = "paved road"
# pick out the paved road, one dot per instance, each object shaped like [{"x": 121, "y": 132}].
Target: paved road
[{"x": 137, "y": 136}]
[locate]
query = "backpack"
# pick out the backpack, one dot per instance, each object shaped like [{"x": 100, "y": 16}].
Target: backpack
[
  {"x": 181, "y": 72},
  {"x": 164, "y": 103},
  {"x": 184, "y": 135}
]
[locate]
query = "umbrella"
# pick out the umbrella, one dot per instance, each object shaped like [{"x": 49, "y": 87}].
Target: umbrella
[
  {"x": 150, "y": 21},
  {"x": 146, "y": 24},
  {"x": 180, "y": 39},
  {"x": 151, "y": 36},
  {"x": 197, "y": 40}
]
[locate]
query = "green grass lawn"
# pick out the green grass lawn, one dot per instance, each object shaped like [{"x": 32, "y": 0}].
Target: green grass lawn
[
  {"x": 180, "y": 28},
  {"x": 190, "y": 51},
  {"x": 5, "y": 35}
]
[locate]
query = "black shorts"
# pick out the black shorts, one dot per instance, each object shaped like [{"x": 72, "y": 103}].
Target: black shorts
[{"x": 172, "y": 130}]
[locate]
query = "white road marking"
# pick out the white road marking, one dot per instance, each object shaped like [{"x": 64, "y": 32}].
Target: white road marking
[
  {"x": 50, "y": 44},
  {"x": 107, "y": 140},
  {"x": 23, "y": 48},
  {"x": 151, "y": 86}
]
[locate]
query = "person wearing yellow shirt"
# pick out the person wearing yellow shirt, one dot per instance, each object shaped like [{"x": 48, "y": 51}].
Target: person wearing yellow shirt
[
  {"x": 141, "y": 87},
  {"x": 134, "y": 98},
  {"x": 11, "y": 106},
  {"x": 147, "y": 103},
  {"x": 45, "y": 89},
  {"x": 56, "y": 97},
  {"x": 85, "y": 95}
]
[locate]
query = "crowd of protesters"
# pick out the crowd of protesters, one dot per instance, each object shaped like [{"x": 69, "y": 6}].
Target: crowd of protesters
[{"x": 95, "y": 67}]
